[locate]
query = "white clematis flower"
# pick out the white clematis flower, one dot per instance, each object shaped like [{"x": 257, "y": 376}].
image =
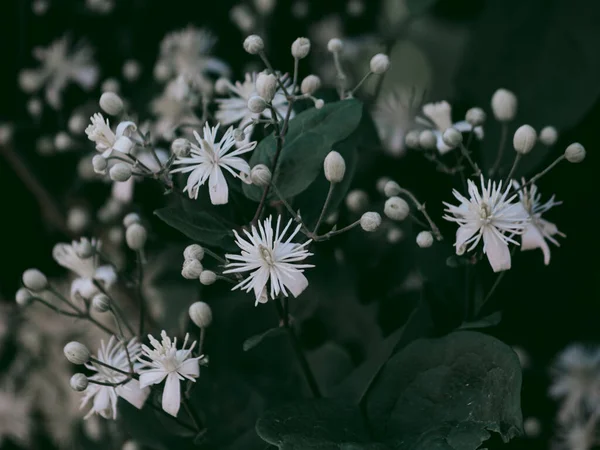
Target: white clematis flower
[
  {"x": 491, "y": 216},
  {"x": 86, "y": 269},
  {"x": 208, "y": 160},
  {"x": 165, "y": 361},
  {"x": 270, "y": 258},
  {"x": 440, "y": 115},
  {"x": 106, "y": 140},
  {"x": 538, "y": 230},
  {"x": 105, "y": 397}
]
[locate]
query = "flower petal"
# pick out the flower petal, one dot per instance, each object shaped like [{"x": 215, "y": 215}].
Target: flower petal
[
  {"x": 217, "y": 187},
  {"x": 190, "y": 368},
  {"x": 496, "y": 250},
  {"x": 171, "y": 398},
  {"x": 133, "y": 393},
  {"x": 532, "y": 238},
  {"x": 295, "y": 281},
  {"x": 150, "y": 377}
]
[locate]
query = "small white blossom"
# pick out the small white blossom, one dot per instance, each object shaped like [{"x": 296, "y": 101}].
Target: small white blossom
[
  {"x": 207, "y": 161},
  {"x": 106, "y": 140},
  {"x": 394, "y": 116},
  {"x": 270, "y": 258},
  {"x": 165, "y": 361},
  {"x": 490, "y": 215}
]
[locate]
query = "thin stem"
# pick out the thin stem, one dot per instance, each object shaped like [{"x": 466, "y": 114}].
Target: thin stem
[
  {"x": 116, "y": 308},
  {"x": 55, "y": 309},
  {"x": 341, "y": 76},
  {"x": 336, "y": 232},
  {"x": 369, "y": 73},
  {"x": 122, "y": 340},
  {"x": 215, "y": 256},
  {"x": 201, "y": 340},
  {"x": 264, "y": 58},
  {"x": 295, "y": 215},
  {"x": 192, "y": 414},
  {"x": 539, "y": 175},
  {"x": 421, "y": 207},
  {"x": 295, "y": 82},
  {"x": 325, "y": 205},
  {"x": 99, "y": 325},
  {"x": 63, "y": 299},
  {"x": 503, "y": 136},
  {"x": 514, "y": 167},
  {"x": 102, "y": 383},
  {"x": 472, "y": 163},
  {"x": 108, "y": 366},
  {"x": 138, "y": 290}
]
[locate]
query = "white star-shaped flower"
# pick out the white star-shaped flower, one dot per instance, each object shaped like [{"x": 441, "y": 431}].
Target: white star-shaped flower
[
  {"x": 490, "y": 216},
  {"x": 270, "y": 258},
  {"x": 165, "y": 361},
  {"x": 106, "y": 140},
  {"x": 208, "y": 160},
  {"x": 105, "y": 397}
]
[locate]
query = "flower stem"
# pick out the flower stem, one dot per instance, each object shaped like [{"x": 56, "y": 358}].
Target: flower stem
[
  {"x": 421, "y": 207},
  {"x": 116, "y": 369},
  {"x": 192, "y": 414},
  {"x": 138, "y": 290},
  {"x": 514, "y": 167},
  {"x": 503, "y": 136},
  {"x": 369, "y": 73},
  {"x": 472, "y": 163},
  {"x": 325, "y": 205}
]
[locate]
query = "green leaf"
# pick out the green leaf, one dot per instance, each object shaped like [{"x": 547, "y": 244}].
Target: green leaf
[
  {"x": 489, "y": 321},
  {"x": 311, "y": 135},
  {"x": 418, "y": 7},
  {"x": 253, "y": 341},
  {"x": 447, "y": 393}
]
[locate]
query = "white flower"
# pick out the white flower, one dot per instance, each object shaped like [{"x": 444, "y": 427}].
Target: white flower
[
  {"x": 86, "y": 269},
  {"x": 105, "y": 397},
  {"x": 106, "y": 140},
  {"x": 172, "y": 108},
  {"x": 165, "y": 361},
  {"x": 393, "y": 117},
  {"x": 207, "y": 161},
  {"x": 538, "y": 230},
  {"x": 491, "y": 216},
  {"x": 440, "y": 115},
  {"x": 271, "y": 258}
]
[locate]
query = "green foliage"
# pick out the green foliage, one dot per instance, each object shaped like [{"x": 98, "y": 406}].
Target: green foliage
[
  {"x": 418, "y": 7},
  {"x": 253, "y": 341}
]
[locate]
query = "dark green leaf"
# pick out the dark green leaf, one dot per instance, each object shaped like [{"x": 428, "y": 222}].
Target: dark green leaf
[
  {"x": 418, "y": 7},
  {"x": 490, "y": 321},
  {"x": 253, "y": 341},
  {"x": 311, "y": 135}
]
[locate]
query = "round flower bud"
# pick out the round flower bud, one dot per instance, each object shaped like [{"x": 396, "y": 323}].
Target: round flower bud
[
  {"x": 394, "y": 235},
  {"x": 161, "y": 71},
  {"x": 29, "y": 80},
  {"x": 132, "y": 70},
  {"x": 111, "y": 103},
  {"x": 524, "y": 139},
  {"x": 257, "y": 104},
  {"x": 266, "y": 86},
  {"x": 101, "y": 302},
  {"x": 575, "y": 153},
  {"x": 181, "y": 147},
  {"x": 192, "y": 268},
  {"x": 357, "y": 201},
  {"x": 380, "y": 184},
  {"x": 208, "y": 277},
  {"x": 62, "y": 141},
  {"x": 35, "y": 280},
  {"x": 100, "y": 164},
  {"x": 391, "y": 188},
  {"x": 222, "y": 86},
  {"x": 120, "y": 172},
  {"x": 370, "y": 221},
  {"x": 412, "y": 139},
  {"x": 427, "y": 140},
  {"x": 335, "y": 45},
  {"x": 452, "y": 137},
  {"x": 34, "y": 107},
  {"x": 130, "y": 219},
  {"x": 131, "y": 445},
  {"x": 136, "y": 236},
  {"x": 379, "y": 64},
  {"x": 548, "y": 136},
  {"x": 84, "y": 249},
  {"x": 504, "y": 105},
  {"x": 254, "y": 44},
  {"x": 532, "y": 427},
  {"x": 319, "y": 103},
  {"x": 475, "y": 117},
  {"x": 110, "y": 85},
  {"x": 77, "y": 123},
  {"x": 424, "y": 239},
  {"x": 260, "y": 175},
  {"x": 335, "y": 167},
  {"x": 201, "y": 314},
  {"x": 78, "y": 219},
  {"x": 194, "y": 251},
  {"x": 300, "y": 48},
  {"x": 23, "y": 297},
  {"x": 310, "y": 84},
  {"x": 79, "y": 382},
  {"x": 77, "y": 353},
  {"x": 396, "y": 208}
]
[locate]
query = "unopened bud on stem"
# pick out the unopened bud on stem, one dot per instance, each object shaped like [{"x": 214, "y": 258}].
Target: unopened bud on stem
[
  {"x": 504, "y": 105},
  {"x": 370, "y": 221},
  {"x": 335, "y": 167},
  {"x": 310, "y": 84},
  {"x": 300, "y": 48},
  {"x": 194, "y": 251},
  {"x": 379, "y": 64},
  {"x": 79, "y": 382},
  {"x": 201, "y": 314},
  {"x": 257, "y": 104},
  {"x": 35, "y": 280},
  {"x": 181, "y": 147},
  {"x": 260, "y": 175},
  {"x": 111, "y": 103},
  {"x": 254, "y": 44},
  {"x": 136, "y": 236},
  {"x": 575, "y": 153},
  {"x": 424, "y": 239},
  {"x": 524, "y": 139},
  {"x": 266, "y": 86},
  {"x": 77, "y": 353},
  {"x": 120, "y": 172}
]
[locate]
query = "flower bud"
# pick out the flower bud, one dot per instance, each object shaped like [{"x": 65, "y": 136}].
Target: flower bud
[
  {"x": 380, "y": 184},
  {"x": 357, "y": 201},
  {"x": 77, "y": 353},
  {"x": 254, "y": 44},
  {"x": 427, "y": 140},
  {"x": 394, "y": 235},
  {"x": 396, "y": 208},
  {"x": 319, "y": 103},
  {"x": 222, "y": 86},
  {"x": 264, "y": 7},
  {"x": 35, "y": 280},
  {"x": 335, "y": 45},
  {"x": 136, "y": 236},
  {"x": 62, "y": 141},
  {"x": 475, "y": 117},
  {"x": 131, "y": 70},
  {"x": 100, "y": 164},
  {"x": 110, "y": 85},
  {"x": 130, "y": 219},
  {"x": 208, "y": 277},
  {"x": 379, "y": 64},
  {"x": 192, "y": 268},
  {"x": 575, "y": 153},
  {"x": 84, "y": 248},
  {"x": 78, "y": 219},
  {"x": 29, "y": 80},
  {"x": 548, "y": 136},
  {"x": 266, "y": 86},
  {"x": 524, "y": 139},
  {"x": 161, "y": 72},
  {"x": 335, "y": 167},
  {"x": 120, "y": 172},
  {"x": 452, "y": 137},
  {"x": 257, "y": 104},
  {"x": 23, "y": 297},
  {"x": 77, "y": 123},
  {"x": 310, "y": 84},
  {"x": 101, "y": 302},
  {"x": 194, "y": 251},
  {"x": 260, "y": 175},
  {"x": 300, "y": 48},
  {"x": 412, "y": 139},
  {"x": 504, "y": 105},
  {"x": 370, "y": 221},
  {"x": 181, "y": 147},
  {"x": 79, "y": 382},
  {"x": 111, "y": 103},
  {"x": 424, "y": 239},
  {"x": 201, "y": 314},
  {"x": 391, "y": 188},
  {"x": 131, "y": 445}
]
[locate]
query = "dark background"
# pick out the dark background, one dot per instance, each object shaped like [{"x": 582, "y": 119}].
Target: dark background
[{"x": 546, "y": 51}]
